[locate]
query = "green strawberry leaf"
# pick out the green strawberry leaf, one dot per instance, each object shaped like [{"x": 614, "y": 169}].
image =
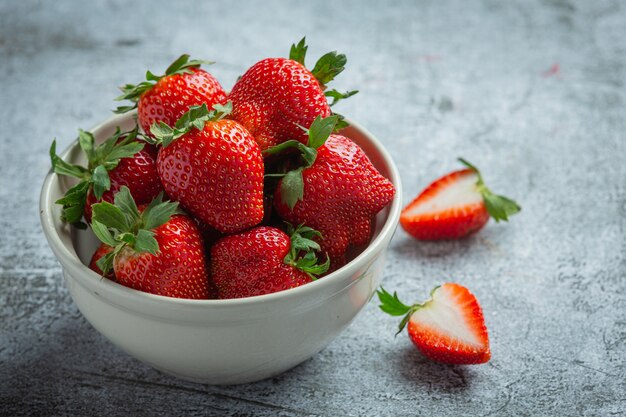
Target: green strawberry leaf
[
  {"x": 106, "y": 262},
  {"x": 194, "y": 118},
  {"x": 124, "y": 151},
  {"x": 102, "y": 232},
  {"x": 298, "y": 52},
  {"x": 222, "y": 110},
  {"x": 341, "y": 123},
  {"x": 59, "y": 166},
  {"x": 301, "y": 241},
  {"x": 101, "y": 181},
  {"x": 86, "y": 142},
  {"x": 146, "y": 242},
  {"x": 338, "y": 96},
  {"x": 321, "y": 129},
  {"x": 159, "y": 214},
  {"x": 110, "y": 216},
  {"x": 125, "y": 202},
  {"x": 292, "y": 188},
  {"x": 182, "y": 65},
  {"x": 391, "y": 304},
  {"x": 132, "y": 92},
  {"x": 498, "y": 206},
  {"x": 74, "y": 203},
  {"x": 328, "y": 67},
  {"x": 122, "y": 110}
]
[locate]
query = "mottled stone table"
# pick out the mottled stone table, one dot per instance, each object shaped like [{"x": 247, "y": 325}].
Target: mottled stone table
[{"x": 533, "y": 92}]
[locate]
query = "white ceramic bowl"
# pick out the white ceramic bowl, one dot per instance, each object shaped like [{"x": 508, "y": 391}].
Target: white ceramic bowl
[{"x": 219, "y": 341}]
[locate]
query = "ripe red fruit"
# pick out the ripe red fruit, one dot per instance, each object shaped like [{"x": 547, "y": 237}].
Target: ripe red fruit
[
  {"x": 448, "y": 328},
  {"x": 264, "y": 260},
  {"x": 166, "y": 98},
  {"x": 337, "y": 192},
  {"x": 213, "y": 167},
  {"x": 102, "y": 251},
  {"x": 120, "y": 161},
  {"x": 277, "y": 95},
  {"x": 455, "y": 206},
  {"x": 155, "y": 250}
]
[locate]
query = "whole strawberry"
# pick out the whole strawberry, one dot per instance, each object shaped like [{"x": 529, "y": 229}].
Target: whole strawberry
[
  {"x": 155, "y": 250},
  {"x": 277, "y": 95},
  {"x": 167, "y": 97},
  {"x": 213, "y": 167},
  {"x": 120, "y": 161},
  {"x": 455, "y": 206},
  {"x": 448, "y": 328},
  {"x": 337, "y": 191},
  {"x": 264, "y": 260}
]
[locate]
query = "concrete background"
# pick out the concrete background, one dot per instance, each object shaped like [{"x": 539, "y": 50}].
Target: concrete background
[{"x": 530, "y": 91}]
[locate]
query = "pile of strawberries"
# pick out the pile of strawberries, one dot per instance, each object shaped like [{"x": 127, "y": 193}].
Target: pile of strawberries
[{"x": 216, "y": 195}]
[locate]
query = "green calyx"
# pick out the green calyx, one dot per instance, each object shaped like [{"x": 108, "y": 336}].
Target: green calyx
[
  {"x": 100, "y": 160},
  {"x": 194, "y": 118},
  {"x": 392, "y": 305},
  {"x": 132, "y": 92},
  {"x": 121, "y": 225},
  {"x": 302, "y": 242},
  {"x": 325, "y": 70},
  {"x": 292, "y": 184},
  {"x": 498, "y": 206}
]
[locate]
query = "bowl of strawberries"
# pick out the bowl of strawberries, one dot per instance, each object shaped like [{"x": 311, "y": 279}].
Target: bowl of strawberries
[{"x": 223, "y": 238}]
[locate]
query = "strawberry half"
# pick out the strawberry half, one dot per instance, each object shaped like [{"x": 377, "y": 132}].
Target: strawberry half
[
  {"x": 155, "y": 249},
  {"x": 265, "y": 260},
  {"x": 167, "y": 97},
  {"x": 120, "y": 161},
  {"x": 447, "y": 328},
  {"x": 213, "y": 167},
  {"x": 276, "y": 95},
  {"x": 455, "y": 206}
]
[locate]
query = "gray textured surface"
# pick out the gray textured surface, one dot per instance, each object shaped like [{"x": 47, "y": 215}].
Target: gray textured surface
[{"x": 532, "y": 92}]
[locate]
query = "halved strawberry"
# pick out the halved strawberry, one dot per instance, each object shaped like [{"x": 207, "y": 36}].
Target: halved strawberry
[
  {"x": 447, "y": 328},
  {"x": 455, "y": 206}
]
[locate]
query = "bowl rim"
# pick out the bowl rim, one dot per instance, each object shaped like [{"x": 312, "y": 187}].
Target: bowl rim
[{"x": 69, "y": 258}]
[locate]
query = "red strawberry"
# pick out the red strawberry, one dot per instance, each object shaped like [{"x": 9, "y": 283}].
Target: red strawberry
[
  {"x": 277, "y": 95},
  {"x": 455, "y": 206},
  {"x": 120, "y": 161},
  {"x": 337, "y": 191},
  {"x": 155, "y": 249},
  {"x": 102, "y": 251},
  {"x": 264, "y": 260},
  {"x": 166, "y": 98},
  {"x": 213, "y": 167},
  {"x": 448, "y": 328}
]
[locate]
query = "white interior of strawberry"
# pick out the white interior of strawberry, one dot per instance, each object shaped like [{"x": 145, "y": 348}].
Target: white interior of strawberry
[
  {"x": 458, "y": 193},
  {"x": 445, "y": 314}
]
